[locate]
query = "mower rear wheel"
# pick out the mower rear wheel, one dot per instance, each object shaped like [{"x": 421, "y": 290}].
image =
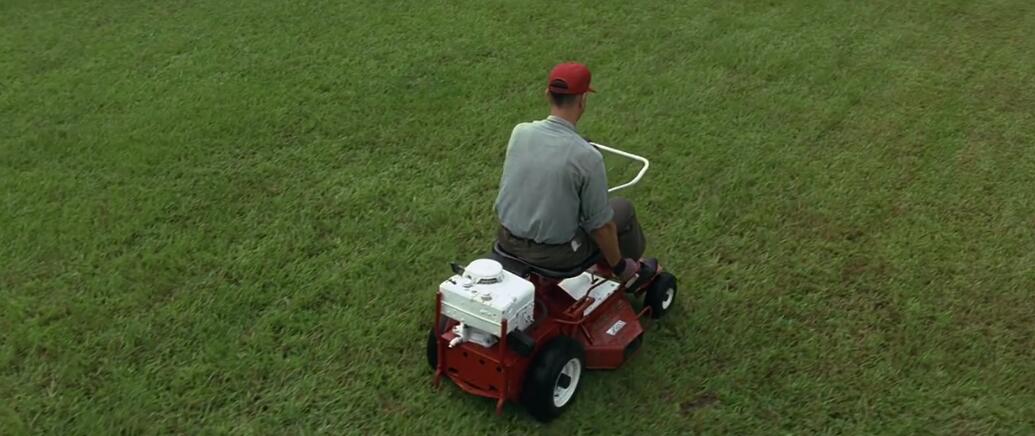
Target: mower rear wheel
[
  {"x": 553, "y": 378},
  {"x": 661, "y": 294}
]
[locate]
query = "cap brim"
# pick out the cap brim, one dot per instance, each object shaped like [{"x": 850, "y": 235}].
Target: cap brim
[{"x": 568, "y": 91}]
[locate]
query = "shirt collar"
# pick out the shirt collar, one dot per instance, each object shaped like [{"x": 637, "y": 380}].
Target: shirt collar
[{"x": 561, "y": 122}]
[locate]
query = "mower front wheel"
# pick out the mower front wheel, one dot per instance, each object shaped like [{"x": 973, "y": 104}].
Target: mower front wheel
[
  {"x": 661, "y": 294},
  {"x": 553, "y": 378}
]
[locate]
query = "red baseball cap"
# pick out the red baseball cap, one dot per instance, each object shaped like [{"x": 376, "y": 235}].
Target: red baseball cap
[{"x": 570, "y": 78}]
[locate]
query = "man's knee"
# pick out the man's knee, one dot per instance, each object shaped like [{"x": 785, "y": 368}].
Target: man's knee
[
  {"x": 624, "y": 215},
  {"x": 630, "y": 235}
]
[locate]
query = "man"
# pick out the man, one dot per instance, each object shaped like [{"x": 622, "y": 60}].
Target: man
[{"x": 552, "y": 204}]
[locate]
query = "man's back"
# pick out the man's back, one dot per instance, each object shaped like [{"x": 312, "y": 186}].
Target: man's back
[{"x": 553, "y": 183}]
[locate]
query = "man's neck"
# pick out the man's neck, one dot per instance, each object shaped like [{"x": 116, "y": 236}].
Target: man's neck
[{"x": 566, "y": 115}]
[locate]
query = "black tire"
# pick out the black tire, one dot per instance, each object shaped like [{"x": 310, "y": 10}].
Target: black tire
[
  {"x": 432, "y": 350},
  {"x": 433, "y": 346},
  {"x": 545, "y": 374},
  {"x": 661, "y": 295}
]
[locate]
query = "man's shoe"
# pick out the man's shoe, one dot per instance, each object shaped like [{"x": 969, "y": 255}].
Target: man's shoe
[{"x": 648, "y": 268}]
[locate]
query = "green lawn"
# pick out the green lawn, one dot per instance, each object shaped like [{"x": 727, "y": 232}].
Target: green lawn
[{"x": 232, "y": 216}]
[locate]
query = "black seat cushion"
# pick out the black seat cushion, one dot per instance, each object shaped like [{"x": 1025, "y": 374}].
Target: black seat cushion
[{"x": 522, "y": 268}]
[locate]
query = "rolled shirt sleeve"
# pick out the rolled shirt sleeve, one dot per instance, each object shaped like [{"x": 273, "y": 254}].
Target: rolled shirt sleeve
[{"x": 594, "y": 209}]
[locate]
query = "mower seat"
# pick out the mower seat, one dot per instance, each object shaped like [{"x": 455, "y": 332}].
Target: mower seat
[{"x": 522, "y": 268}]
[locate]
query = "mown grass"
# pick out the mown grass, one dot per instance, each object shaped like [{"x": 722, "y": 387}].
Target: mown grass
[{"x": 231, "y": 217}]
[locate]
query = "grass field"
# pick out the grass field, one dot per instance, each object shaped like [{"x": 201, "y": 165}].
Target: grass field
[{"x": 231, "y": 216}]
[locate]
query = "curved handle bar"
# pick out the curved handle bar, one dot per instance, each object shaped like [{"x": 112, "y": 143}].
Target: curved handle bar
[{"x": 643, "y": 160}]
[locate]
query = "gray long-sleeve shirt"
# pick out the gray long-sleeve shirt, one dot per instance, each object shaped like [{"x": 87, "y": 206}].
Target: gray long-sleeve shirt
[{"x": 553, "y": 183}]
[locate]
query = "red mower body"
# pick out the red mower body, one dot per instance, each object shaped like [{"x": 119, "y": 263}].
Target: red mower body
[{"x": 609, "y": 334}]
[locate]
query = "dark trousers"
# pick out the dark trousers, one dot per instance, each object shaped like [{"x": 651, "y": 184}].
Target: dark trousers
[{"x": 571, "y": 254}]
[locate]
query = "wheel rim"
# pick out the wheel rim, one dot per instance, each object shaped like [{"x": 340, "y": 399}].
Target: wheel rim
[
  {"x": 670, "y": 295},
  {"x": 566, "y": 383}
]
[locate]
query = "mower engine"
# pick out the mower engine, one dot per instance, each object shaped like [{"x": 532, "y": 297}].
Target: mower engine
[{"x": 481, "y": 297}]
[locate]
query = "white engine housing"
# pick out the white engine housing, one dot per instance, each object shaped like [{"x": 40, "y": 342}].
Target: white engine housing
[{"x": 485, "y": 295}]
